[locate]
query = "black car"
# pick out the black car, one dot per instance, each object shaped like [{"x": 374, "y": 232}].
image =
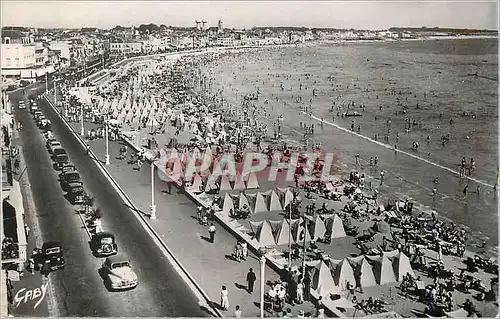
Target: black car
[
  {"x": 52, "y": 257},
  {"x": 61, "y": 160},
  {"x": 76, "y": 193},
  {"x": 69, "y": 178},
  {"x": 103, "y": 244}
]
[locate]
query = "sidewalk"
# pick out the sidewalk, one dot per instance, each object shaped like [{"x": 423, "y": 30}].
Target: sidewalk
[
  {"x": 211, "y": 265},
  {"x": 29, "y": 283}
]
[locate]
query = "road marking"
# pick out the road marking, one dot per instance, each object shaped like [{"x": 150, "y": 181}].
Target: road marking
[
  {"x": 397, "y": 150},
  {"x": 203, "y": 298}
]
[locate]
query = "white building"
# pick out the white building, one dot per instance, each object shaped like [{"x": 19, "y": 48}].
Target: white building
[
  {"x": 125, "y": 47},
  {"x": 18, "y": 53},
  {"x": 64, "y": 48}
]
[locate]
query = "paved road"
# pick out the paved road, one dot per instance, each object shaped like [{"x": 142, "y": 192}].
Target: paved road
[{"x": 79, "y": 288}]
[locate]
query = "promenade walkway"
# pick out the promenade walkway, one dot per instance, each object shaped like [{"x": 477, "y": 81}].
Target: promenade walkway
[{"x": 211, "y": 265}]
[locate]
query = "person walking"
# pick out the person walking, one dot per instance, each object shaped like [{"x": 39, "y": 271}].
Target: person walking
[
  {"x": 250, "y": 280},
  {"x": 211, "y": 232},
  {"x": 224, "y": 298},
  {"x": 465, "y": 190}
]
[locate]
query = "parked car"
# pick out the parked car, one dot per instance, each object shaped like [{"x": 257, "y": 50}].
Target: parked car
[
  {"x": 66, "y": 168},
  {"x": 118, "y": 274},
  {"x": 34, "y": 107},
  {"x": 52, "y": 144},
  {"x": 58, "y": 150},
  {"x": 52, "y": 256},
  {"x": 71, "y": 177},
  {"x": 61, "y": 160},
  {"x": 21, "y": 104},
  {"x": 103, "y": 244},
  {"x": 76, "y": 193}
]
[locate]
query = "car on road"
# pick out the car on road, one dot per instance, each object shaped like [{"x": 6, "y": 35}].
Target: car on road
[
  {"x": 103, "y": 244},
  {"x": 34, "y": 106},
  {"x": 58, "y": 150},
  {"x": 118, "y": 274},
  {"x": 71, "y": 177},
  {"x": 76, "y": 193},
  {"x": 21, "y": 104},
  {"x": 52, "y": 256},
  {"x": 52, "y": 144},
  {"x": 66, "y": 168},
  {"x": 61, "y": 160}
]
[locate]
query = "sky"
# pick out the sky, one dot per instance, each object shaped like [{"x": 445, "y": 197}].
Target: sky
[{"x": 373, "y": 15}]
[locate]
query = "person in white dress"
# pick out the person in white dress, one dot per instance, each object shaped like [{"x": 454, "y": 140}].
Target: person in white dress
[{"x": 224, "y": 298}]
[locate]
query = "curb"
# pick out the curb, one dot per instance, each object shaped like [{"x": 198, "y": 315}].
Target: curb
[{"x": 155, "y": 236}]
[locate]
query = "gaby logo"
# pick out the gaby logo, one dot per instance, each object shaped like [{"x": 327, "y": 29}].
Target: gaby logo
[
  {"x": 300, "y": 167},
  {"x": 25, "y": 296}
]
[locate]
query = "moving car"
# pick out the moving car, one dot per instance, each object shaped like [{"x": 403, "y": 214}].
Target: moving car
[
  {"x": 52, "y": 255},
  {"x": 118, "y": 274},
  {"x": 103, "y": 244}
]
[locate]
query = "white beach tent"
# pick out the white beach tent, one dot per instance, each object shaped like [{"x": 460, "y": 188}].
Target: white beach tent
[
  {"x": 224, "y": 183},
  {"x": 382, "y": 269},
  {"x": 263, "y": 233},
  {"x": 210, "y": 184},
  {"x": 252, "y": 182},
  {"x": 317, "y": 228},
  {"x": 197, "y": 183},
  {"x": 300, "y": 232},
  {"x": 227, "y": 205},
  {"x": 363, "y": 272},
  {"x": 283, "y": 233},
  {"x": 242, "y": 201},
  {"x": 401, "y": 266},
  {"x": 239, "y": 183},
  {"x": 322, "y": 281},
  {"x": 334, "y": 225},
  {"x": 272, "y": 201},
  {"x": 343, "y": 273},
  {"x": 257, "y": 203},
  {"x": 286, "y": 196}
]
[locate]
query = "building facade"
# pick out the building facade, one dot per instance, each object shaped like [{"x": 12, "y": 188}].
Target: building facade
[{"x": 18, "y": 53}]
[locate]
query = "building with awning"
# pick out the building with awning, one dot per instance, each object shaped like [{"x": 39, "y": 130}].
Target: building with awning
[{"x": 14, "y": 243}]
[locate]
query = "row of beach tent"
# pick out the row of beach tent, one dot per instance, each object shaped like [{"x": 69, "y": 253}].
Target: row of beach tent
[
  {"x": 282, "y": 232},
  {"x": 224, "y": 183},
  {"x": 330, "y": 276}
]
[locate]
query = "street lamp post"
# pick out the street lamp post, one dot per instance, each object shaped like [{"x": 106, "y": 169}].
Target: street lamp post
[
  {"x": 55, "y": 94},
  {"x": 153, "y": 206},
  {"x": 82, "y": 129},
  {"x": 262, "y": 260},
  {"x": 107, "y": 140}
]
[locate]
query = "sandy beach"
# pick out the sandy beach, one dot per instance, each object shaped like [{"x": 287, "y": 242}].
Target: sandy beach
[{"x": 360, "y": 80}]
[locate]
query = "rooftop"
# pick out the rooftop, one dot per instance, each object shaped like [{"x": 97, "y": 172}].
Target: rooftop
[{"x": 13, "y": 34}]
